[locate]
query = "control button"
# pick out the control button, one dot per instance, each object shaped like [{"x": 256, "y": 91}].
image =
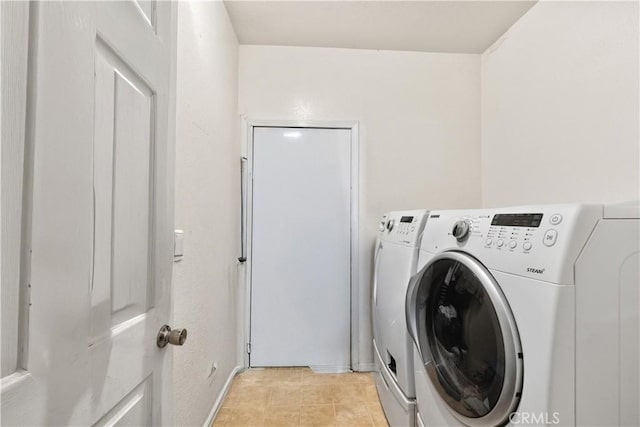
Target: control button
[
  {"x": 500, "y": 243},
  {"x": 550, "y": 237},
  {"x": 513, "y": 244},
  {"x": 413, "y": 228},
  {"x": 527, "y": 246},
  {"x": 555, "y": 219},
  {"x": 489, "y": 242}
]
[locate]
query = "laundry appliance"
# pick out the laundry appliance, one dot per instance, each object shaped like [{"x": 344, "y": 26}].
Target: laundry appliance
[
  {"x": 528, "y": 316},
  {"x": 396, "y": 258}
]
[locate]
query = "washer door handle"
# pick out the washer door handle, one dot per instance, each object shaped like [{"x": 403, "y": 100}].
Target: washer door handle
[
  {"x": 410, "y": 308},
  {"x": 375, "y": 273}
]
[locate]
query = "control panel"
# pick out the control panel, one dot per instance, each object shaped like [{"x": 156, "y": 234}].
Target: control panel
[
  {"x": 404, "y": 227},
  {"x": 523, "y": 231},
  {"x": 514, "y": 231},
  {"x": 532, "y": 241}
]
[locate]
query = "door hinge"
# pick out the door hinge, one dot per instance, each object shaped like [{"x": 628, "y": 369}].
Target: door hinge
[{"x": 248, "y": 348}]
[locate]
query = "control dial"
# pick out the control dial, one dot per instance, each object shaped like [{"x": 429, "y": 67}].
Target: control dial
[
  {"x": 382, "y": 225},
  {"x": 390, "y": 225},
  {"x": 460, "y": 230}
]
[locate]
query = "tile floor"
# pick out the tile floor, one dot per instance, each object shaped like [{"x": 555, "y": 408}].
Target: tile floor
[{"x": 299, "y": 397}]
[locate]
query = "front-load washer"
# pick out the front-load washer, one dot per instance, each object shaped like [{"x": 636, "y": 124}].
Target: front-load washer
[
  {"x": 528, "y": 316},
  {"x": 395, "y": 261}
]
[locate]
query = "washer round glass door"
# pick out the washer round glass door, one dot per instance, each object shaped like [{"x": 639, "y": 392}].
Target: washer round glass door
[{"x": 468, "y": 339}]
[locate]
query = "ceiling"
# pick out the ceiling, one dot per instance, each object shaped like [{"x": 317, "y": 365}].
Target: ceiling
[{"x": 427, "y": 26}]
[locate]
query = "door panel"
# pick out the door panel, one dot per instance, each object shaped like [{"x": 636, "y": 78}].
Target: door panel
[
  {"x": 122, "y": 191},
  {"x": 133, "y": 410},
  {"x": 130, "y": 189},
  {"x": 102, "y": 216},
  {"x": 132, "y": 71},
  {"x": 301, "y": 273}
]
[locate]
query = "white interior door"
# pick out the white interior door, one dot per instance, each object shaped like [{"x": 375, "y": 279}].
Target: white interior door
[
  {"x": 99, "y": 224},
  {"x": 301, "y": 243}
]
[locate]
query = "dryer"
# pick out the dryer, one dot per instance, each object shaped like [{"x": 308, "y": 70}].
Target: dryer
[
  {"x": 528, "y": 316},
  {"x": 395, "y": 261}
]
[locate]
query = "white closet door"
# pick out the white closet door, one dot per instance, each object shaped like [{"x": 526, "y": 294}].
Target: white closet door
[{"x": 301, "y": 269}]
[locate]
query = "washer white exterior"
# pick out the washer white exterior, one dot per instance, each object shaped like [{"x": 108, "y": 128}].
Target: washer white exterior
[
  {"x": 396, "y": 259},
  {"x": 570, "y": 287}
]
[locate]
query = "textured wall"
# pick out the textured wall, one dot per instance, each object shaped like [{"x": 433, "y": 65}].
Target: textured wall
[
  {"x": 419, "y": 117},
  {"x": 207, "y": 207},
  {"x": 560, "y": 109}
]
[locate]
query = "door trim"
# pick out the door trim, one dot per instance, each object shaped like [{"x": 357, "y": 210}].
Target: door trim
[{"x": 244, "y": 297}]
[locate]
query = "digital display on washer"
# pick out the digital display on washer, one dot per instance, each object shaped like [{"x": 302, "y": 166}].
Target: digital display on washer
[
  {"x": 406, "y": 219},
  {"x": 517, "y": 220}
]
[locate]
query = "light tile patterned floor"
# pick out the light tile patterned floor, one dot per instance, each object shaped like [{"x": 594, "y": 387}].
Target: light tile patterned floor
[{"x": 299, "y": 397}]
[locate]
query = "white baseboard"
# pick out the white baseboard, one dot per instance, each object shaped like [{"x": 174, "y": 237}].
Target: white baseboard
[
  {"x": 326, "y": 369},
  {"x": 366, "y": 367},
  {"x": 223, "y": 393}
]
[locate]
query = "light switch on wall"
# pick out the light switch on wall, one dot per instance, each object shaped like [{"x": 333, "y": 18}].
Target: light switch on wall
[{"x": 178, "y": 240}]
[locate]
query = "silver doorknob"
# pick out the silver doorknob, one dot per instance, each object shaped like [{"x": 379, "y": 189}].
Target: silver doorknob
[{"x": 166, "y": 335}]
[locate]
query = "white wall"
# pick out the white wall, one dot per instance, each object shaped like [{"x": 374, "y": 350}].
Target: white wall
[
  {"x": 560, "y": 106},
  {"x": 207, "y": 207},
  {"x": 419, "y": 117}
]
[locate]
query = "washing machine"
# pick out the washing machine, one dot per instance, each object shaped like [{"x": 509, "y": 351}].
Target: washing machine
[
  {"x": 396, "y": 258},
  {"x": 528, "y": 316}
]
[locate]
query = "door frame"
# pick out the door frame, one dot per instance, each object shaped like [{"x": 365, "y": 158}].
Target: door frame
[{"x": 244, "y": 300}]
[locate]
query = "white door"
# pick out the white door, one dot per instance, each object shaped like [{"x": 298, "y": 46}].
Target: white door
[
  {"x": 100, "y": 217},
  {"x": 301, "y": 242}
]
